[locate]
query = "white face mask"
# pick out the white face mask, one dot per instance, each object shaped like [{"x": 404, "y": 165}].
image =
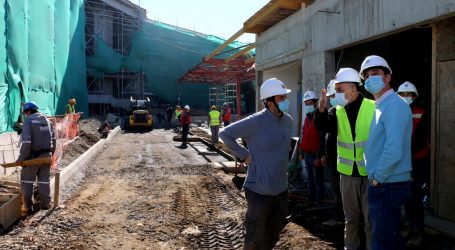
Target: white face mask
[
  {"x": 340, "y": 99},
  {"x": 408, "y": 99},
  {"x": 308, "y": 109}
]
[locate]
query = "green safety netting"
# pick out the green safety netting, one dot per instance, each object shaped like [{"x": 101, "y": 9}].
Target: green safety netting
[
  {"x": 42, "y": 45},
  {"x": 164, "y": 53}
]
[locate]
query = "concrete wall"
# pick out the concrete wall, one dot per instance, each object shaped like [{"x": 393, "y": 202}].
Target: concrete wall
[
  {"x": 314, "y": 33},
  {"x": 443, "y": 174},
  {"x": 309, "y": 33},
  {"x": 9, "y": 151},
  {"x": 289, "y": 74}
]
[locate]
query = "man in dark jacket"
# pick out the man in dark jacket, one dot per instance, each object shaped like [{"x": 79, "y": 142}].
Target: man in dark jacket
[
  {"x": 38, "y": 141},
  {"x": 168, "y": 115}
]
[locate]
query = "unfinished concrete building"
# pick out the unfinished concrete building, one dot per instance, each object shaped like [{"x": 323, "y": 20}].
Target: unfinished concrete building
[
  {"x": 310, "y": 43},
  {"x": 110, "y": 27}
]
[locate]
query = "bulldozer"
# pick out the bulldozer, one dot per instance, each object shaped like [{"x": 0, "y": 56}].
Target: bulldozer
[{"x": 140, "y": 116}]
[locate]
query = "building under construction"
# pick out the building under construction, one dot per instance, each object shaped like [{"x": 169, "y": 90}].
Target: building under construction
[{"x": 110, "y": 26}]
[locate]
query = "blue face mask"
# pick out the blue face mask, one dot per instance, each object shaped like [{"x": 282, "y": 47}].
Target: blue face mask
[
  {"x": 284, "y": 106},
  {"x": 408, "y": 99},
  {"x": 333, "y": 101},
  {"x": 340, "y": 99},
  {"x": 374, "y": 84},
  {"x": 308, "y": 109}
]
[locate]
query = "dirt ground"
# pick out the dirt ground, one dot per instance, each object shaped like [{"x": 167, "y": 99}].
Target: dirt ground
[{"x": 142, "y": 192}]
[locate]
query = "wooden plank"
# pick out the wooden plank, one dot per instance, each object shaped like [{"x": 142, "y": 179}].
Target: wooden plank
[
  {"x": 224, "y": 45},
  {"x": 241, "y": 52},
  {"x": 261, "y": 15},
  {"x": 37, "y": 161}
]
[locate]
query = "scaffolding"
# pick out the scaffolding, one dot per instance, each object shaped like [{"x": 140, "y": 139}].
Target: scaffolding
[
  {"x": 114, "y": 22},
  {"x": 217, "y": 95},
  {"x": 220, "y": 94},
  {"x": 231, "y": 96}
]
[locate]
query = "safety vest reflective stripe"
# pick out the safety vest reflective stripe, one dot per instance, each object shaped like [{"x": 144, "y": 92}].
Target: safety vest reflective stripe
[
  {"x": 350, "y": 146},
  {"x": 350, "y": 151},
  {"x": 417, "y": 116},
  {"x": 344, "y": 145},
  {"x": 214, "y": 118}
]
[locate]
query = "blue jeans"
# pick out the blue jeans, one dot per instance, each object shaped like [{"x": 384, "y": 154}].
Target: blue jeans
[
  {"x": 315, "y": 179},
  {"x": 385, "y": 201}
]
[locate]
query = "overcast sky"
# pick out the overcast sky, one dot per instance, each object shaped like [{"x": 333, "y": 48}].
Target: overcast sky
[{"x": 214, "y": 17}]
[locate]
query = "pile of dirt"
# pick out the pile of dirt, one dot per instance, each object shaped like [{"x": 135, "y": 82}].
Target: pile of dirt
[{"x": 88, "y": 136}]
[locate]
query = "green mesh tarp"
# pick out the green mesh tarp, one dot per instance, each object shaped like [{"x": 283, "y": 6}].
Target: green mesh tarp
[
  {"x": 43, "y": 46},
  {"x": 164, "y": 53}
]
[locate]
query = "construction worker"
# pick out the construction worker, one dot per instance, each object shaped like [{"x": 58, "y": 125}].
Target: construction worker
[
  {"x": 70, "y": 109},
  {"x": 329, "y": 159},
  {"x": 268, "y": 135},
  {"x": 185, "y": 120},
  {"x": 38, "y": 141},
  {"x": 310, "y": 148},
  {"x": 168, "y": 112},
  {"x": 226, "y": 114},
  {"x": 178, "y": 112},
  {"x": 214, "y": 120},
  {"x": 387, "y": 155},
  {"x": 349, "y": 121},
  {"x": 420, "y": 149}
]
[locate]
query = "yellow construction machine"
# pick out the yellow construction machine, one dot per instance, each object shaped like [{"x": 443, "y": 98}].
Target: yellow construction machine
[{"x": 140, "y": 115}]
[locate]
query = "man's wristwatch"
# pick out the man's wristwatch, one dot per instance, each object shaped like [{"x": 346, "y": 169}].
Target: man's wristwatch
[{"x": 374, "y": 182}]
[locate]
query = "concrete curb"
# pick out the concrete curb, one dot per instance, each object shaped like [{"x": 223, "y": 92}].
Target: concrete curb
[{"x": 78, "y": 165}]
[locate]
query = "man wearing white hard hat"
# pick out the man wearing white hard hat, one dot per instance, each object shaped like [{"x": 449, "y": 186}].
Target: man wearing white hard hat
[
  {"x": 185, "y": 120},
  {"x": 420, "y": 148},
  {"x": 268, "y": 135},
  {"x": 310, "y": 147},
  {"x": 329, "y": 160},
  {"x": 350, "y": 122},
  {"x": 387, "y": 155}
]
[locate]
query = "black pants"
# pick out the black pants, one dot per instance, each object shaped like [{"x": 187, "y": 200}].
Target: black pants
[
  {"x": 414, "y": 205},
  {"x": 185, "y": 130},
  {"x": 265, "y": 218}
]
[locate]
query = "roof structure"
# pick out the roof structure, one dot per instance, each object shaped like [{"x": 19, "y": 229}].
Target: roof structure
[
  {"x": 272, "y": 13},
  {"x": 219, "y": 71}
]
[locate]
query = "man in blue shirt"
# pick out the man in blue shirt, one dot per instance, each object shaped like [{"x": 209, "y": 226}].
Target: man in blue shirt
[
  {"x": 387, "y": 155},
  {"x": 268, "y": 135}
]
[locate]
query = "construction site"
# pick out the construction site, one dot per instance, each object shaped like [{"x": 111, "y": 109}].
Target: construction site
[{"x": 115, "y": 87}]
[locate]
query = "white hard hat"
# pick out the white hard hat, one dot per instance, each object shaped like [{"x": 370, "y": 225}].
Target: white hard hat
[
  {"x": 371, "y": 62},
  {"x": 273, "y": 87},
  {"x": 309, "y": 95},
  {"x": 347, "y": 75},
  {"x": 331, "y": 88},
  {"x": 407, "y": 87},
  {"x": 187, "y": 107}
]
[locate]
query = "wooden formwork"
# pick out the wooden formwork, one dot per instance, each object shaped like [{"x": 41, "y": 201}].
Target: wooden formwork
[{"x": 10, "y": 210}]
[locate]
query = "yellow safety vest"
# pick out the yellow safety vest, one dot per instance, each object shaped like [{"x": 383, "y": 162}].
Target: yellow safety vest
[
  {"x": 70, "y": 108},
  {"x": 177, "y": 114},
  {"x": 348, "y": 150},
  {"x": 214, "y": 118}
]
